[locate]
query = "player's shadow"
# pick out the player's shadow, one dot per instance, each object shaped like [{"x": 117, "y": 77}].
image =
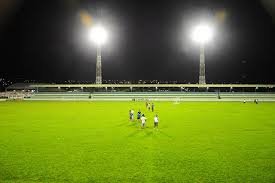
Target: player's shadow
[
  {"x": 133, "y": 133},
  {"x": 138, "y": 130},
  {"x": 120, "y": 124},
  {"x": 165, "y": 134},
  {"x": 156, "y": 133},
  {"x": 133, "y": 124},
  {"x": 147, "y": 133}
]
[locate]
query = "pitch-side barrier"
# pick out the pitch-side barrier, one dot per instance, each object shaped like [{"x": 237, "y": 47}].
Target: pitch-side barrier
[{"x": 167, "y": 96}]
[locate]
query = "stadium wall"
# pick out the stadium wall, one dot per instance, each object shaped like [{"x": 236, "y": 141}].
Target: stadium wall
[{"x": 166, "y": 96}]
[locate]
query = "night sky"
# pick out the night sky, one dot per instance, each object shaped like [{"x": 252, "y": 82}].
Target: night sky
[{"x": 46, "y": 40}]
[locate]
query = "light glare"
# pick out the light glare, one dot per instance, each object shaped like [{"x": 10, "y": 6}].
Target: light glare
[
  {"x": 98, "y": 35},
  {"x": 202, "y": 34}
]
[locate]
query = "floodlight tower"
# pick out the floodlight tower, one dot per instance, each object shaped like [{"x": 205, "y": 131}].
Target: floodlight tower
[
  {"x": 202, "y": 34},
  {"x": 98, "y": 35}
]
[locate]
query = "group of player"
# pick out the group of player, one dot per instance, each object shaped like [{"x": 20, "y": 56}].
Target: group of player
[
  {"x": 142, "y": 118},
  {"x": 149, "y": 106},
  {"x": 256, "y": 101}
]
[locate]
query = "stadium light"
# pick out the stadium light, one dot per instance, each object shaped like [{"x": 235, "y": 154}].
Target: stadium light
[
  {"x": 202, "y": 34},
  {"x": 99, "y": 36}
]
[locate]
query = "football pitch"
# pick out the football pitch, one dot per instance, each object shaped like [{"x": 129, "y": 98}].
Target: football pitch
[{"x": 96, "y": 142}]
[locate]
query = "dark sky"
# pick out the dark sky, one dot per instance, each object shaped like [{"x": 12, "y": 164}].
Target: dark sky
[{"x": 45, "y": 40}]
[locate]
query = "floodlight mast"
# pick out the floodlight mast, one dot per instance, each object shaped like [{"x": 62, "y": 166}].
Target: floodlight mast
[
  {"x": 202, "y": 65},
  {"x": 98, "y": 66},
  {"x": 98, "y": 35},
  {"x": 202, "y": 34}
]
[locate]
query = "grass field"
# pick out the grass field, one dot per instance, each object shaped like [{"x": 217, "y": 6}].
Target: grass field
[{"x": 95, "y": 142}]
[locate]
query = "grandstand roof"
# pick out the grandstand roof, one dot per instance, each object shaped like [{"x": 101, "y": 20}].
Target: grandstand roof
[
  {"x": 153, "y": 85},
  {"x": 32, "y": 86},
  {"x": 21, "y": 86}
]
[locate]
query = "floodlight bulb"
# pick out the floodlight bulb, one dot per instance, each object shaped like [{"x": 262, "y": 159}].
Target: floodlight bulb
[
  {"x": 202, "y": 34},
  {"x": 98, "y": 35}
]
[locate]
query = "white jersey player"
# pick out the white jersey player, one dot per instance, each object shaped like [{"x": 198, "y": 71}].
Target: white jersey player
[
  {"x": 143, "y": 121},
  {"x": 156, "y": 121}
]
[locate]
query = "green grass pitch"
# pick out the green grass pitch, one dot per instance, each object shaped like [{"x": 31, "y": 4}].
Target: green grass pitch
[{"x": 95, "y": 142}]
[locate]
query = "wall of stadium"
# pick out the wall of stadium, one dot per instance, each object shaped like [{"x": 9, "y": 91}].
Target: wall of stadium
[{"x": 155, "y": 96}]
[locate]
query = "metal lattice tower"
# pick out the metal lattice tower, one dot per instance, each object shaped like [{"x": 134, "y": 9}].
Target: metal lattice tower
[
  {"x": 98, "y": 66},
  {"x": 202, "y": 65}
]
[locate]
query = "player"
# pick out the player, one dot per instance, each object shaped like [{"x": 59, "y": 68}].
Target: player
[
  {"x": 143, "y": 121},
  {"x": 132, "y": 115},
  {"x": 133, "y": 112},
  {"x": 138, "y": 115},
  {"x": 153, "y": 107},
  {"x": 156, "y": 121},
  {"x": 149, "y": 106},
  {"x": 244, "y": 101}
]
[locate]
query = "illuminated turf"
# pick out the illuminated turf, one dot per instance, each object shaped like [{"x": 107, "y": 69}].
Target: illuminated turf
[{"x": 95, "y": 142}]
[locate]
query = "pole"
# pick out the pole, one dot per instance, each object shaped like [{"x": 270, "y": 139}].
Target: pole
[
  {"x": 98, "y": 66},
  {"x": 202, "y": 65}
]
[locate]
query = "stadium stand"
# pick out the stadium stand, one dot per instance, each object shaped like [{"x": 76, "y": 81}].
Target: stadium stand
[
  {"x": 92, "y": 92},
  {"x": 167, "y": 96},
  {"x": 15, "y": 95}
]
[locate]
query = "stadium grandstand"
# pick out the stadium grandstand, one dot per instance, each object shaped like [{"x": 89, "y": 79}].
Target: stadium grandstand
[{"x": 140, "y": 92}]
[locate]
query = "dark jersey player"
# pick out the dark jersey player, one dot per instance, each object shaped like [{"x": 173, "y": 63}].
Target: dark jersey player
[
  {"x": 138, "y": 115},
  {"x": 153, "y": 107}
]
